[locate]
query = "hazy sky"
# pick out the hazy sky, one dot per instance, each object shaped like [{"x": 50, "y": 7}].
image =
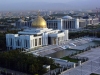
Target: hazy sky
[{"x": 6, "y": 5}]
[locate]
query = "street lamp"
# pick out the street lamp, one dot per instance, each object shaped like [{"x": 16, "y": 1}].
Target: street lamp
[
  {"x": 91, "y": 66},
  {"x": 99, "y": 61},
  {"x": 69, "y": 73},
  {"x": 81, "y": 70}
]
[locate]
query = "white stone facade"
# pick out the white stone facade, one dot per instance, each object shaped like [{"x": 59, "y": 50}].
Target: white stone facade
[
  {"x": 68, "y": 22},
  {"x": 32, "y": 38},
  {"x": 64, "y": 23}
]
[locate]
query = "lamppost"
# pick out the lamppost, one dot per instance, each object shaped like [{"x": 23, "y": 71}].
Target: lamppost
[
  {"x": 91, "y": 66},
  {"x": 69, "y": 73},
  {"x": 81, "y": 70},
  {"x": 99, "y": 61},
  {"x": 50, "y": 72}
]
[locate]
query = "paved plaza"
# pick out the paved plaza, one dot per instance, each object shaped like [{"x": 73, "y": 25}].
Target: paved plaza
[
  {"x": 53, "y": 48},
  {"x": 91, "y": 66}
]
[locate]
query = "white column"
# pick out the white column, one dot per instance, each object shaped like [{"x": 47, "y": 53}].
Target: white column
[
  {"x": 41, "y": 42},
  {"x": 79, "y": 63},
  {"x": 74, "y": 65},
  {"x": 33, "y": 43},
  {"x": 57, "y": 41},
  {"x": 37, "y": 41},
  {"x": 76, "y": 23},
  {"x": 60, "y": 24}
]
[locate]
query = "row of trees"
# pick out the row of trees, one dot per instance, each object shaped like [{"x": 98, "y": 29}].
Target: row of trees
[
  {"x": 94, "y": 74},
  {"x": 4, "y": 20},
  {"x": 3, "y": 39},
  {"x": 73, "y": 35},
  {"x": 27, "y": 63},
  {"x": 23, "y": 62}
]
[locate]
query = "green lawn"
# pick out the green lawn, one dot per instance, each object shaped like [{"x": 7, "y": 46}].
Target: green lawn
[
  {"x": 70, "y": 59},
  {"x": 96, "y": 41}
]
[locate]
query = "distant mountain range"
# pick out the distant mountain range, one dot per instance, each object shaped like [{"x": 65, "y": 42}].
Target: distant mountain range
[{"x": 72, "y": 4}]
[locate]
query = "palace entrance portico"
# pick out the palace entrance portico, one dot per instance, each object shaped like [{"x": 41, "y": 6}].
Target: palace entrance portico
[{"x": 57, "y": 39}]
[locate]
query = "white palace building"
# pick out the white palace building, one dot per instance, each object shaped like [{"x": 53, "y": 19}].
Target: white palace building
[
  {"x": 36, "y": 36},
  {"x": 66, "y": 22}
]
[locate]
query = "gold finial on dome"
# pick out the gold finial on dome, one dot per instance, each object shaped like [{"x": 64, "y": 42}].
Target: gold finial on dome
[{"x": 39, "y": 22}]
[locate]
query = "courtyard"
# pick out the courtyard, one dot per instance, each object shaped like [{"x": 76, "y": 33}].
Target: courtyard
[{"x": 91, "y": 66}]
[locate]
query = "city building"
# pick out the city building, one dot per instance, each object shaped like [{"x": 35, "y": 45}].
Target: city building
[
  {"x": 89, "y": 21},
  {"x": 67, "y": 22},
  {"x": 36, "y": 36},
  {"x": 64, "y": 23},
  {"x": 21, "y": 23}
]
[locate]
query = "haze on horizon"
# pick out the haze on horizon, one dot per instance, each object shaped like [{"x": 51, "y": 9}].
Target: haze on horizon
[{"x": 14, "y": 5}]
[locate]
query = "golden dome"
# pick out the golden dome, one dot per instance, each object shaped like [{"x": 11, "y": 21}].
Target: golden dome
[{"x": 39, "y": 22}]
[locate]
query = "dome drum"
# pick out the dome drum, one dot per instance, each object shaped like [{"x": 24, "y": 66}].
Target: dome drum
[{"x": 67, "y": 17}]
